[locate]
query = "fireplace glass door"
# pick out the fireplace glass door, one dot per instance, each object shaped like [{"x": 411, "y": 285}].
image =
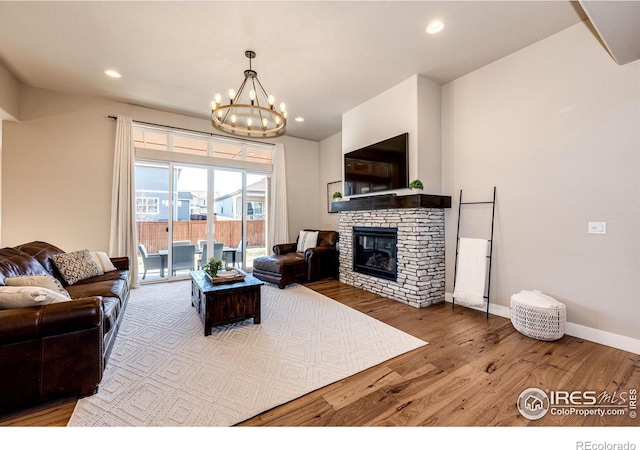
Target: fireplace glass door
[{"x": 375, "y": 251}]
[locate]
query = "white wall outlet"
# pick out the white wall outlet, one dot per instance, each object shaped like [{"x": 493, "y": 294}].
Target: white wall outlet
[{"x": 597, "y": 228}]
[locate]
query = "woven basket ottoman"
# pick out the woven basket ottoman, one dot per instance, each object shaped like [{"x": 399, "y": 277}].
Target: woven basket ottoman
[{"x": 538, "y": 316}]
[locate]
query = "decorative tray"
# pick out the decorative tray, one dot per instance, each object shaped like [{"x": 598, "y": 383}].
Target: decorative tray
[{"x": 227, "y": 276}]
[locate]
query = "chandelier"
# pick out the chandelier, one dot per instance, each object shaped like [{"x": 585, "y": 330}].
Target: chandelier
[{"x": 249, "y": 114}]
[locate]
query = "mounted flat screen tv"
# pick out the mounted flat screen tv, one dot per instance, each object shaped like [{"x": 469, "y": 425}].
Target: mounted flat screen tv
[{"x": 378, "y": 167}]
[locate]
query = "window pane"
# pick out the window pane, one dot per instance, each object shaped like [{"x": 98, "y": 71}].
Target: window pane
[
  {"x": 190, "y": 145},
  {"x": 257, "y": 192},
  {"x": 147, "y": 205},
  {"x": 259, "y": 155},
  {"x": 227, "y": 151},
  {"x": 149, "y": 139}
]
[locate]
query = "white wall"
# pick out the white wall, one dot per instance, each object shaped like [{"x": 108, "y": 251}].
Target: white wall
[
  {"x": 412, "y": 106},
  {"x": 9, "y": 110},
  {"x": 556, "y": 127},
  {"x": 303, "y": 185},
  {"x": 9, "y": 95},
  {"x": 57, "y": 169},
  {"x": 330, "y": 171},
  {"x": 429, "y": 154}
]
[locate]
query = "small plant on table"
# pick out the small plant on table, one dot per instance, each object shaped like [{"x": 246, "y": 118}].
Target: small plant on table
[{"x": 213, "y": 266}]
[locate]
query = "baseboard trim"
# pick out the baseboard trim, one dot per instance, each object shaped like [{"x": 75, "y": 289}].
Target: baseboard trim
[{"x": 580, "y": 331}]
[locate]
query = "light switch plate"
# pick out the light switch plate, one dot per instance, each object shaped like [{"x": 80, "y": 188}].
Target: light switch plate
[{"x": 597, "y": 228}]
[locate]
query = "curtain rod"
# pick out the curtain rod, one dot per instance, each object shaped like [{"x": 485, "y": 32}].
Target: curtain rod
[{"x": 196, "y": 131}]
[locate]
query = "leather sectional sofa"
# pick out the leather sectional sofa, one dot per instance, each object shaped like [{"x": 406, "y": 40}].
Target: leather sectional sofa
[{"x": 58, "y": 350}]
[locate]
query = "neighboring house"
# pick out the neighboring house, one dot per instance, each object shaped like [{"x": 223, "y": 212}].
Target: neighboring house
[
  {"x": 152, "y": 196},
  {"x": 198, "y": 209},
  {"x": 230, "y": 205}
]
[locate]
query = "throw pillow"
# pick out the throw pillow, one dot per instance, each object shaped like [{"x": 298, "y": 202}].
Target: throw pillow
[
  {"x": 307, "y": 239},
  {"x": 103, "y": 261},
  {"x": 76, "y": 266},
  {"x": 25, "y": 296},
  {"x": 45, "y": 281}
]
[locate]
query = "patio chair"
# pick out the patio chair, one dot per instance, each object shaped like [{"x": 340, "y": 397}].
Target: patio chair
[
  {"x": 217, "y": 253},
  {"x": 184, "y": 257},
  {"x": 239, "y": 253},
  {"x": 217, "y": 250},
  {"x": 149, "y": 262}
]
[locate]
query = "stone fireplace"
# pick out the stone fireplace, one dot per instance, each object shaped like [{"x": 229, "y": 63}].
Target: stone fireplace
[{"x": 368, "y": 260}]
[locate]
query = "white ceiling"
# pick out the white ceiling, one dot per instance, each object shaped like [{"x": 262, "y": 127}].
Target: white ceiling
[
  {"x": 321, "y": 58},
  {"x": 618, "y": 25}
]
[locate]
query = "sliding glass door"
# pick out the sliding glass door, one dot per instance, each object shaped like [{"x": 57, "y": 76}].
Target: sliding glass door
[
  {"x": 189, "y": 224},
  {"x": 228, "y": 198},
  {"x": 152, "y": 219},
  {"x": 257, "y": 187},
  {"x": 171, "y": 218},
  {"x": 199, "y": 196},
  {"x": 186, "y": 214}
]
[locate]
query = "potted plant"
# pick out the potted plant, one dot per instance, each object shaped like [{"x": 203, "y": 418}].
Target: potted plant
[
  {"x": 416, "y": 184},
  {"x": 213, "y": 266},
  {"x": 337, "y": 196}
]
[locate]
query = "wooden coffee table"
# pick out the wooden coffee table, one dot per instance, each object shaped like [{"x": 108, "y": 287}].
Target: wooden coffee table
[{"x": 220, "y": 304}]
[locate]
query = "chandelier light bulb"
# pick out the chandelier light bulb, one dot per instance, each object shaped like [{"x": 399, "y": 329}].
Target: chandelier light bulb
[
  {"x": 283, "y": 107},
  {"x": 232, "y": 94},
  {"x": 233, "y": 119},
  {"x": 252, "y": 95},
  {"x": 264, "y": 123},
  {"x": 277, "y": 120},
  {"x": 220, "y": 115},
  {"x": 271, "y": 99},
  {"x": 249, "y": 122},
  {"x": 217, "y": 98},
  {"x": 214, "y": 105}
]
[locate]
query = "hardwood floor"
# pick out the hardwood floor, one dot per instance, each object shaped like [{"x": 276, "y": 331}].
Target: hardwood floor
[{"x": 470, "y": 374}]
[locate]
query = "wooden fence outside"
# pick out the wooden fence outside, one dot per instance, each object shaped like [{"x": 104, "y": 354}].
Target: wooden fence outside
[{"x": 154, "y": 235}]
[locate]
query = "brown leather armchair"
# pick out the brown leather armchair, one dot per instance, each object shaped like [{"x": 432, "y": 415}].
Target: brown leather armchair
[{"x": 287, "y": 265}]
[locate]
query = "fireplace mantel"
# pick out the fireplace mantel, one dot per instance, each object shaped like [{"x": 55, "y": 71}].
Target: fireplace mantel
[{"x": 393, "y": 202}]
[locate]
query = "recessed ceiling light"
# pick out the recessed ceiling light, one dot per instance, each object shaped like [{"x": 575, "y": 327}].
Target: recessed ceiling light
[
  {"x": 434, "y": 27},
  {"x": 112, "y": 73},
  {"x": 299, "y": 119}
]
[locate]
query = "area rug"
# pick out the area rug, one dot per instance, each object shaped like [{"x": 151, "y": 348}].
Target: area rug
[{"x": 163, "y": 371}]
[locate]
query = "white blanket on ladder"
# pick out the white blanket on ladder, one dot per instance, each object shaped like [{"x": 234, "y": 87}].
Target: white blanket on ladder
[{"x": 471, "y": 273}]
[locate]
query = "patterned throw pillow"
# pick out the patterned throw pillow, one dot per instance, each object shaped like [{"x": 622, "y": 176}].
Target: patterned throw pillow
[
  {"x": 76, "y": 266},
  {"x": 44, "y": 281}
]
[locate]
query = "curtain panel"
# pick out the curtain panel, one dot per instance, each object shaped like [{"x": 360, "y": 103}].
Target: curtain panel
[
  {"x": 278, "y": 215},
  {"x": 123, "y": 239}
]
